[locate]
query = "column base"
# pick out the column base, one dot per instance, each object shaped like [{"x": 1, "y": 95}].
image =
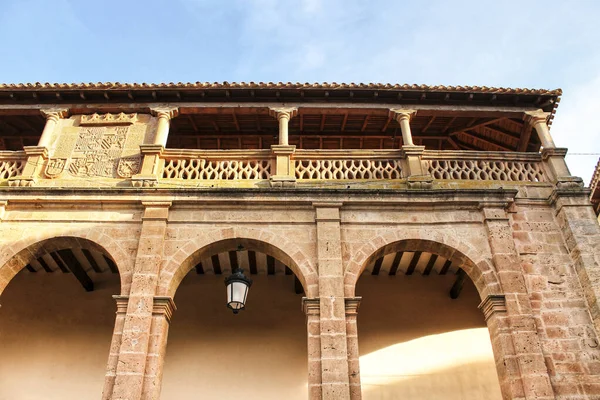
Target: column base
[
  {"x": 419, "y": 182},
  {"x": 282, "y": 181},
  {"x": 144, "y": 180}
]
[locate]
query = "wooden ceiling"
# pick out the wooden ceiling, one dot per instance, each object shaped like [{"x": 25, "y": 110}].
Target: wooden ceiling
[
  {"x": 17, "y": 131},
  {"x": 355, "y": 130}
]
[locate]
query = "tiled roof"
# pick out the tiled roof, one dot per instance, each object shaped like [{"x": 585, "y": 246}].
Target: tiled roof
[{"x": 278, "y": 85}]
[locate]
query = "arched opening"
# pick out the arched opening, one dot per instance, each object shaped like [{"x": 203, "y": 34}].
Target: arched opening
[
  {"x": 259, "y": 353},
  {"x": 421, "y": 334},
  {"x": 56, "y": 320}
]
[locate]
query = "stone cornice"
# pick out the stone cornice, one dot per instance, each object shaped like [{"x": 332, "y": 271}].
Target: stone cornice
[
  {"x": 311, "y": 306},
  {"x": 492, "y": 304}
]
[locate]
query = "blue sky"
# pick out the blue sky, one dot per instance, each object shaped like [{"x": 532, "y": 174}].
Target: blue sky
[{"x": 541, "y": 44}]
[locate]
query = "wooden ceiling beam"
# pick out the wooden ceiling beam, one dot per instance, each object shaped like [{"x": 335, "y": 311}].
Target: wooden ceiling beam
[
  {"x": 344, "y": 121},
  {"x": 473, "y": 125},
  {"x": 364, "y": 125},
  {"x": 428, "y": 124},
  {"x": 453, "y": 143},
  {"x": 322, "y": 123},
  {"x": 387, "y": 123},
  {"x": 458, "y": 284},
  {"x": 215, "y": 126},
  {"x": 503, "y": 132},
  {"x": 491, "y": 142},
  {"x": 235, "y": 122},
  {"x": 525, "y": 136},
  {"x": 301, "y": 122},
  {"x": 76, "y": 268},
  {"x": 193, "y": 123},
  {"x": 447, "y": 126}
]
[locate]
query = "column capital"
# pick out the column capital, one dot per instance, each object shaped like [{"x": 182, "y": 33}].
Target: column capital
[
  {"x": 536, "y": 117},
  {"x": 400, "y": 114},
  {"x": 493, "y": 303},
  {"x": 283, "y": 112},
  {"x": 311, "y": 306},
  {"x": 164, "y": 305},
  {"x": 165, "y": 112},
  {"x": 122, "y": 302},
  {"x": 54, "y": 113},
  {"x": 352, "y": 305}
]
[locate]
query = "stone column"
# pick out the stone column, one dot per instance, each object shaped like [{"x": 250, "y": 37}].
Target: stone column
[
  {"x": 283, "y": 115},
  {"x": 334, "y": 350},
  {"x": 143, "y": 329},
  {"x": 283, "y": 174},
  {"x": 519, "y": 321},
  {"x": 352, "y": 304},
  {"x": 311, "y": 308},
  {"x": 164, "y": 116},
  {"x": 52, "y": 115},
  {"x": 417, "y": 176},
  {"x": 115, "y": 344},
  {"x": 538, "y": 120}
]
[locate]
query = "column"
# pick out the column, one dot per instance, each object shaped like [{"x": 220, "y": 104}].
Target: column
[
  {"x": 283, "y": 115},
  {"x": 311, "y": 308},
  {"x": 538, "y": 120},
  {"x": 283, "y": 174},
  {"x": 519, "y": 323},
  {"x": 52, "y": 116},
  {"x": 334, "y": 350},
  {"x": 164, "y": 116},
  {"x": 352, "y": 304},
  {"x": 417, "y": 176},
  {"x": 144, "y": 330}
]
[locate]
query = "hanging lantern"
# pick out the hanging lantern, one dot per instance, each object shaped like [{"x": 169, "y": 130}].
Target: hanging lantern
[{"x": 237, "y": 290}]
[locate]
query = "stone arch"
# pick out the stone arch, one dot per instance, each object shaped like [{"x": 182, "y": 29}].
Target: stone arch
[
  {"x": 475, "y": 262},
  {"x": 211, "y": 242},
  {"x": 14, "y": 257}
]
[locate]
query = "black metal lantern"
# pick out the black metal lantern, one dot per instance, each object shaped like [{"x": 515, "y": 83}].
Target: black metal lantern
[{"x": 237, "y": 290}]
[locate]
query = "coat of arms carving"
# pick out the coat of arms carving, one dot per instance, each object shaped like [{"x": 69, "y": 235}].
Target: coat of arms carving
[
  {"x": 98, "y": 152},
  {"x": 55, "y": 167}
]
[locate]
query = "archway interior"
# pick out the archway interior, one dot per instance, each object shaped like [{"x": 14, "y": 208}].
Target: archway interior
[
  {"x": 421, "y": 334},
  {"x": 259, "y": 353},
  {"x": 56, "y": 321}
]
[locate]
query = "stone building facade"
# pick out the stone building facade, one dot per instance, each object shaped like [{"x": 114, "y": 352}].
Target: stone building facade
[{"x": 326, "y": 185}]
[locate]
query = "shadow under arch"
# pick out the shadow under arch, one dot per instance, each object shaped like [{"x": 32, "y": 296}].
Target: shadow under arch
[
  {"x": 476, "y": 265},
  {"x": 25, "y": 252},
  {"x": 173, "y": 274}
]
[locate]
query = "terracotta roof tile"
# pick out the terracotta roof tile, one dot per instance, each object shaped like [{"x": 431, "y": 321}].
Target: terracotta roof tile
[{"x": 278, "y": 85}]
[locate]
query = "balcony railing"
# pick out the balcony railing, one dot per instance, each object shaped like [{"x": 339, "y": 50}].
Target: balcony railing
[
  {"x": 12, "y": 163},
  {"x": 216, "y": 164},
  {"x": 484, "y": 166},
  {"x": 347, "y": 164}
]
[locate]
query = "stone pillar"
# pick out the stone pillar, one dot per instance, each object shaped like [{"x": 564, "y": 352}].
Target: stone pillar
[
  {"x": 538, "y": 120},
  {"x": 311, "y": 308},
  {"x": 334, "y": 351},
  {"x": 143, "y": 332},
  {"x": 162, "y": 312},
  {"x": 519, "y": 321},
  {"x": 352, "y": 304},
  {"x": 164, "y": 116},
  {"x": 284, "y": 174},
  {"x": 580, "y": 230},
  {"x": 115, "y": 344},
  {"x": 52, "y": 116},
  {"x": 283, "y": 115},
  {"x": 151, "y": 165}
]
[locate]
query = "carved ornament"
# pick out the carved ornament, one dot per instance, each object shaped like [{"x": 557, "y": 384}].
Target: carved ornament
[{"x": 108, "y": 119}]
